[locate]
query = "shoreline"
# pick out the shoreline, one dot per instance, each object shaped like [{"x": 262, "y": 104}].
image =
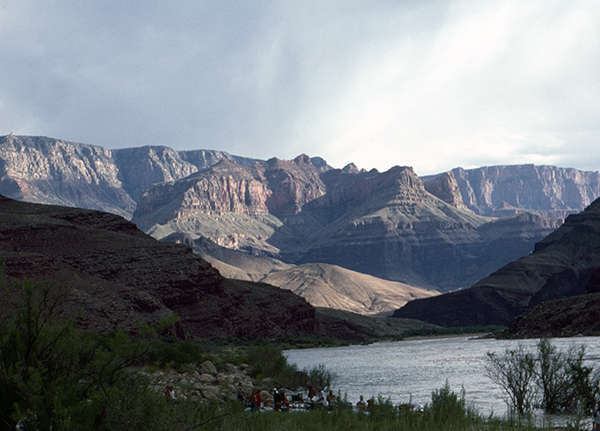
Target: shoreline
[{"x": 473, "y": 335}]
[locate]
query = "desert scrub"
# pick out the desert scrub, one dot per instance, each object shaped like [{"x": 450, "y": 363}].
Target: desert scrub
[
  {"x": 269, "y": 361},
  {"x": 446, "y": 412}
]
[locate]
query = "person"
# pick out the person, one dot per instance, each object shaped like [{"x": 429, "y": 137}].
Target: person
[
  {"x": 361, "y": 405},
  {"x": 331, "y": 400},
  {"x": 370, "y": 404},
  {"x": 323, "y": 399},
  {"x": 170, "y": 393},
  {"x": 312, "y": 397},
  {"x": 255, "y": 400},
  {"x": 276, "y": 400},
  {"x": 597, "y": 417},
  {"x": 285, "y": 403}
]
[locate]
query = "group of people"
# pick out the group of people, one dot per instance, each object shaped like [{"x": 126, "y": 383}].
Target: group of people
[
  {"x": 280, "y": 399},
  {"x": 319, "y": 399}
]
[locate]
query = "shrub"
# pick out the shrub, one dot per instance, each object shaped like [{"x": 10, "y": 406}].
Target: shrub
[
  {"x": 446, "y": 403},
  {"x": 565, "y": 383},
  {"x": 552, "y": 377},
  {"x": 514, "y": 372}
]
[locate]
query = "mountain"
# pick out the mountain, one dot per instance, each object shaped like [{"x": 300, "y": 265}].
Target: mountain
[
  {"x": 505, "y": 190},
  {"x": 53, "y": 171},
  {"x": 565, "y": 263},
  {"x": 332, "y": 286},
  {"x": 117, "y": 276},
  {"x": 436, "y": 233},
  {"x": 382, "y": 224},
  {"x": 565, "y": 317},
  {"x": 322, "y": 285},
  {"x": 111, "y": 275}
]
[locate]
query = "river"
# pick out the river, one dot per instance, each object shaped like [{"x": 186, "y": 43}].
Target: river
[{"x": 410, "y": 370}]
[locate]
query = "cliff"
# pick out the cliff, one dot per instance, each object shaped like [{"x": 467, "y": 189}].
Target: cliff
[
  {"x": 433, "y": 233},
  {"x": 501, "y": 190},
  {"x": 383, "y": 224},
  {"x": 53, "y": 171},
  {"x": 565, "y": 263}
]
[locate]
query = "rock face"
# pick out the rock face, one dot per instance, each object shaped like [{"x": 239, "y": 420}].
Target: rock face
[
  {"x": 383, "y": 224},
  {"x": 53, "y": 171},
  {"x": 44, "y": 170},
  {"x": 235, "y": 206},
  {"x": 121, "y": 277},
  {"x": 565, "y": 263},
  {"x": 434, "y": 233},
  {"x": 500, "y": 190}
]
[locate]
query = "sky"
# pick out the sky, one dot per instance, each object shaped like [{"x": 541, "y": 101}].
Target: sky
[{"x": 428, "y": 84}]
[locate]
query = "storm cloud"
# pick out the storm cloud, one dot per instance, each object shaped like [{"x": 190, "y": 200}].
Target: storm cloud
[{"x": 433, "y": 85}]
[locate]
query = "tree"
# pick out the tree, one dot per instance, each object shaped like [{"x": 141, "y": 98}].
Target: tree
[
  {"x": 552, "y": 377},
  {"x": 514, "y": 372}
]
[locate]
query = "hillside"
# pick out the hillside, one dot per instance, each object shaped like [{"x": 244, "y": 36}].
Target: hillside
[
  {"x": 565, "y": 263},
  {"x": 322, "y": 285},
  {"x": 120, "y": 277},
  {"x": 566, "y": 317},
  {"x": 112, "y": 275}
]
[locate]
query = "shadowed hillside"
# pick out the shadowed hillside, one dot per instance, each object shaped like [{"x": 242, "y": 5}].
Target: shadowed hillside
[{"x": 565, "y": 263}]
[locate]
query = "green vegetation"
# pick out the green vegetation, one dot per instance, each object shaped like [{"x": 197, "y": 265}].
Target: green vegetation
[
  {"x": 55, "y": 376},
  {"x": 447, "y": 411},
  {"x": 556, "y": 381}
]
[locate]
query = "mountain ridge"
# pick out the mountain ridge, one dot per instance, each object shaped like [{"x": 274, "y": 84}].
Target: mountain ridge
[
  {"x": 565, "y": 263},
  {"x": 387, "y": 224}
]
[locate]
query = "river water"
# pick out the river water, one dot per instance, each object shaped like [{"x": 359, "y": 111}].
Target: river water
[{"x": 410, "y": 370}]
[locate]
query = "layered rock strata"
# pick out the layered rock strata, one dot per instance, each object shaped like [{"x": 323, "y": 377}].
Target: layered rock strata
[
  {"x": 434, "y": 233},
  {"x": 502, "y": 190},
  {"x": 565, "y": 263}
]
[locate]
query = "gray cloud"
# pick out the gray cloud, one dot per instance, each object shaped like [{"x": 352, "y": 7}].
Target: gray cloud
[{"x": 429, "y": 84}]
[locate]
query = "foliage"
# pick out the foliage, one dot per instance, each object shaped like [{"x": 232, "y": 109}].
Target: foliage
[
  {"x": 168, "y": 351},
  {"x": 269, "y": 361},
  {"x": 583, "y": 386},
  {"x": 552, "y": 377},
  {"x": 564, "y": 382},
  {"x": 54, "y": 376},
  {"x": 446, "y": 404},
  {"x": 514, "y": 372}
]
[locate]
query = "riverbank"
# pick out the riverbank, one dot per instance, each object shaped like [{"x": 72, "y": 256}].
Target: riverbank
[{"x": 445, "y": 411}]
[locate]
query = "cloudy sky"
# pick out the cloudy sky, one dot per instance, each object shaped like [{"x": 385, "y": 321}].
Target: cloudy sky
[{"x": 430, "y": 84}]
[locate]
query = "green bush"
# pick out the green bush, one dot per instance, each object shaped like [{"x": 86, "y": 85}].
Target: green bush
[
  {"x": 54, "y": 376},
  {"x": 566, "y": 385},
  {"x": 446, "y": 404}
]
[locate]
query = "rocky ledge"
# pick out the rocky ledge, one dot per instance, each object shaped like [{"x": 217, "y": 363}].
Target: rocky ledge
[{"x": 204, "y": 382}]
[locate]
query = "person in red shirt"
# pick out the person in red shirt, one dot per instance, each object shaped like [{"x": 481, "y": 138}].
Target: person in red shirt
[{"x": 255, "y": 400}]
